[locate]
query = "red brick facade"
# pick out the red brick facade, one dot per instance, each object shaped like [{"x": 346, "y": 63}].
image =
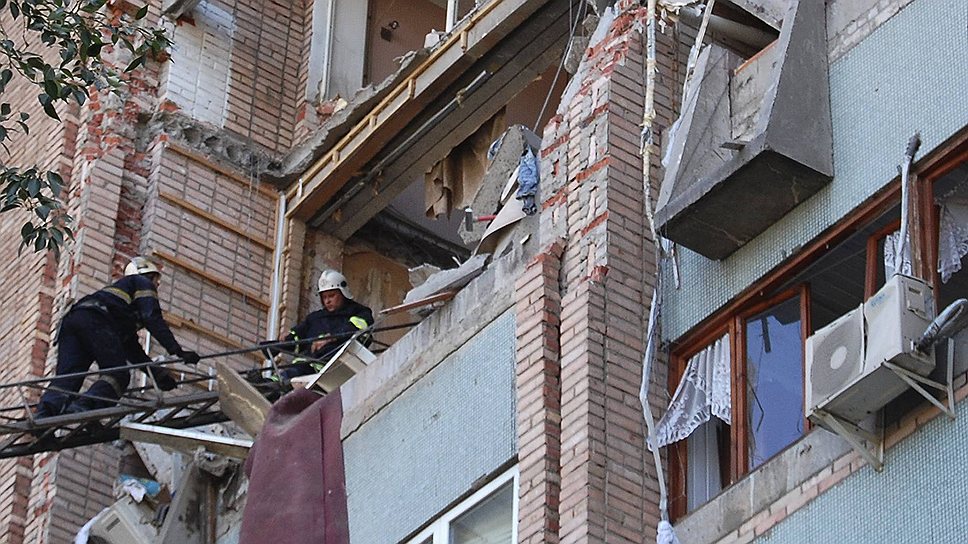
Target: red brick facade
[{"x": 585, "y": 473}]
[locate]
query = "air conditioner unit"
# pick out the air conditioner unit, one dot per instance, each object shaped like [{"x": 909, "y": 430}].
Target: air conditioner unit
[
  {"x": 846, "y": 372},
  {"x": 125, "y": 522},
  {"x": 835, "y": 358}
]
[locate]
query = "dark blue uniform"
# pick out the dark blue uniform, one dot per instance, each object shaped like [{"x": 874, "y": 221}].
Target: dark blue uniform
[
  {"x": 103, "y": 327},
  {"x": 322, "y": 323}
]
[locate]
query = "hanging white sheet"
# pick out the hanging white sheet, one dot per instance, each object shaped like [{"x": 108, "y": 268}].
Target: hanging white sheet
[
  {"x": 891, "y": 264},
  {"x": 702, "y": 393}
]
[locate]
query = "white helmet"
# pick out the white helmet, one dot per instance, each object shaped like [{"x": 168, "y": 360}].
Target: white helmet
[
  {"x": 140, "y": 265},
  {"x": 331, "y": 279}
]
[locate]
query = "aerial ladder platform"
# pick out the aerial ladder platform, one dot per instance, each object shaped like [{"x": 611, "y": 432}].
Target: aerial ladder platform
[{"x": 193, "y": 402}]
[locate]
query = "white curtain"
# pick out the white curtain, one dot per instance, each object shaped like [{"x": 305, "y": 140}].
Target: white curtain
[
  {"x": 952, "y": 235},
  {"x": 891, "y": 257},
  {"x": 702, "y": 393}
]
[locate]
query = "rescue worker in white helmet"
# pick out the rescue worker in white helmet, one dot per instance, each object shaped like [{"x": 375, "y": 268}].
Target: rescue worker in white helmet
[
  {"x": 329, "y": 327},
  {"x": 103, "y": 327}
]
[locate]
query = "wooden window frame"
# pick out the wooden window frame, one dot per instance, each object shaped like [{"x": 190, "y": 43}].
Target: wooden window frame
[{"x": 729, "y": 318}]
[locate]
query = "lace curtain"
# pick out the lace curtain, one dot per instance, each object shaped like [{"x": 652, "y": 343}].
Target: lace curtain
[
  {"x": 952, "y": 235},
  {"x": 702, "y": 393}
]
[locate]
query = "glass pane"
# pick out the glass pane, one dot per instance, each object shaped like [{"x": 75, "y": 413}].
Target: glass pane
[
  {"x": 707, "y": 463},
  {"x": 774, "y": 374},
  {"x": 489, "y": 522}
]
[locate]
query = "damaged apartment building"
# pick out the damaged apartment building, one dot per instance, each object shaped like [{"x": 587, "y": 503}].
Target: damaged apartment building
[{"x": 748, "y": 216}]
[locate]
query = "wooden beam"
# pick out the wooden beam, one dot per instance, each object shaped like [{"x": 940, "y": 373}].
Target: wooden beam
[
  {"x": 240, "y": 400},
  {"x": 209, "y": 216},
  {"x": 185, "y": 441},
  {"x": 221, "y": 282}
]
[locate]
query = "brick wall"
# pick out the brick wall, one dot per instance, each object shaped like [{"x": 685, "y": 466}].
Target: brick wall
[
  {"x": 239, "y": 65},
  {"x": 585, "y": 474},
  {"x": 27, "y": 281}
]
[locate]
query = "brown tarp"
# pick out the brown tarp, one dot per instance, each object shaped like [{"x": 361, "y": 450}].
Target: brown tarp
[{"x": 297, "y": 490}]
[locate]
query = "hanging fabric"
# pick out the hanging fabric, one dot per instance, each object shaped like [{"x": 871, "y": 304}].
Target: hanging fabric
[
  {"x": 952, "y": 235},
  {"x": 894, "y": 263},
  {"x": 702, "y": 393}
]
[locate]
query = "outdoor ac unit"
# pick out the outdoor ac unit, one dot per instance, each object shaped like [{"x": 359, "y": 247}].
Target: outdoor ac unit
[
  {"x": 124, "y": 523},
  {"x": 835, "y": 358},
  {"x": 846, "y": 372}
]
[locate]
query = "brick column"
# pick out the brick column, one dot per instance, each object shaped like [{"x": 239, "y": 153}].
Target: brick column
[
  {"x": 539, "y": 398},
  {"x": 592, "y": 201}
]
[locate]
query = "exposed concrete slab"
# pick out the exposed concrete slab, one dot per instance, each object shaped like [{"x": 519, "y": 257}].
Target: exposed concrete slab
[
  {"x": 788, "y": 156},
  {"x": 449, "y": 280},
  {"x": 339, "y": 124},
  {"x": 240, "y": 400},
  {"x": 188, "y": 515},
  {"x": 486, "y": 200},
  {"x": 177, "y": 8},
  {"x": 186, "y": 441},
  {"x": 770, "y": 12}
]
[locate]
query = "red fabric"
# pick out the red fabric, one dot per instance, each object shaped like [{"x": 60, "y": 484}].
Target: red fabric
[{"x": 297, "y": 490}]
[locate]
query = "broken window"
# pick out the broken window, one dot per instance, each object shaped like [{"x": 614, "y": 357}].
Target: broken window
[{"x": 774, "y": 380}]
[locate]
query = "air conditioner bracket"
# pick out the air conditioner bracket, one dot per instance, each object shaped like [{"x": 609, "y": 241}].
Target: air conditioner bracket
[
  {"x": 916, "y": 382},
  {"x": 856, "y": 436}
]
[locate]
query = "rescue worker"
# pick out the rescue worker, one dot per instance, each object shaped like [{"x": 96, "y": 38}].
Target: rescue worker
[
  {"x": 330, "y": 326},
  {"x": 103, "y": 327}
]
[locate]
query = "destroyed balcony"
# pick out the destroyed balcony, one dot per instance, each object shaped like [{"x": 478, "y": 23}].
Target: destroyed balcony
[{"x": 753, "y": 141}]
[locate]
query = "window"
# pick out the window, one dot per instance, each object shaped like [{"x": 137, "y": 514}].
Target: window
[
  {"x": 489, "y": 516},
  {"x": 774, "y": 380},
  {"x": 768, "y": 324}
]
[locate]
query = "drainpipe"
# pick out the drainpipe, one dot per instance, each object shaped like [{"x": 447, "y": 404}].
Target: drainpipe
[
  {"x": 272, "y": 328},
  {"x": 328, "y": 51},
  {"x": 451, "y": 15}
]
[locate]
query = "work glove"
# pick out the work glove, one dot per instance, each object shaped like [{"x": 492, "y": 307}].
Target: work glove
[
  {"x": 164, "y": 379},
  {"x": 189, "y": 357}
]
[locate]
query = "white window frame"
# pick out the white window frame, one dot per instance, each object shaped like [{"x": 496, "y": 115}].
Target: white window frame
[{"x": 440, "y": 528}]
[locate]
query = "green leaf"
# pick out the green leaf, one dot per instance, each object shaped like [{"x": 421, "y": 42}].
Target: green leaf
[
  {"x": 141, "y": 13},
  {"x": 42, "y": 212},
  {"x": 5, "y": 109},
  {"x": 48, "y": 106},
  {"x": 33, "y": 187},
  {"x": 55, "y": 181},
  {"x": 14, "y": 9},
  {"x": 138, "y": 61}
]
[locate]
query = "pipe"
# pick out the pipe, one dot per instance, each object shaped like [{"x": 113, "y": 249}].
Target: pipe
[
  {"x": 451, "y": 21},
  {"x": 729, "y": 28},
  {"x": 328, "y": 53},
  {"x": 272, "y": 328}
]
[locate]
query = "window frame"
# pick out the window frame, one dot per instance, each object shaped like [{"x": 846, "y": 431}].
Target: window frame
[
  {"x": 738, "y": 447},
  {"x": 924, "y": 173},
  {"x": 439, "y": 530}
]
